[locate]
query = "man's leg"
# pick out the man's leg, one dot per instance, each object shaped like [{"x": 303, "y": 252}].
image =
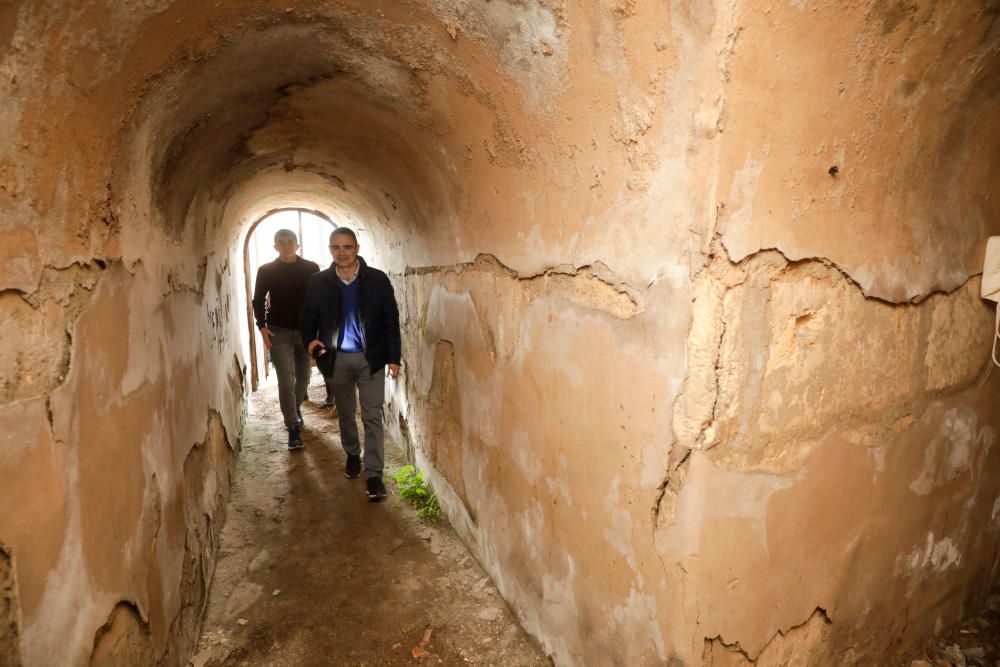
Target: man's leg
[
  {"x": 303, "y": 371},
  {"x": 283, "y": 356},
  {"x": 344, "y": 385},
  {"x": 371, "y": 387},
  {"x": 328, "y": 381}
]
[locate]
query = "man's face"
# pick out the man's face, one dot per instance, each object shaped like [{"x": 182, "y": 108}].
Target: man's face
[
  {"x": 286, "y": 246},
  {"x": 344, "y": 250}
]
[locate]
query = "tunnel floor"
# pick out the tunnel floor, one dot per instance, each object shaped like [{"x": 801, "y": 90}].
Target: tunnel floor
[
  {"x": 975, "y": 641},
  {"x": 311, "y": 573}
]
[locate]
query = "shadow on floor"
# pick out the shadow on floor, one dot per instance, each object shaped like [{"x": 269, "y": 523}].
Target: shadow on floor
[{"x": 311, "y": 573}]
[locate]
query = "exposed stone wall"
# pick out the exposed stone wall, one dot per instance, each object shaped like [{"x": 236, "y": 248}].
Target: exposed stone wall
[
  {"x": 690, "y": 393},
  {"x": 10, "y": 611}
]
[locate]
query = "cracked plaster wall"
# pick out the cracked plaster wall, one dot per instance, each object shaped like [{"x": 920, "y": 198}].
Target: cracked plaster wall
[
  {"x": 122, "y": 400},
  {"x": 688, "y": 396}
]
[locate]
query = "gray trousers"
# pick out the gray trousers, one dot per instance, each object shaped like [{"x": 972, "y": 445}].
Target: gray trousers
[
  {"x": 351, "y": 374},
  {"x": 328, "y": 381},
  {"x": 291, "y": 364}
]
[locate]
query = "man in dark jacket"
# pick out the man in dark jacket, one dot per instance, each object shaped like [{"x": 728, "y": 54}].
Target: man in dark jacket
[
  {"x": 279, "y": 290},
  {"x": 350, "y": 323}
]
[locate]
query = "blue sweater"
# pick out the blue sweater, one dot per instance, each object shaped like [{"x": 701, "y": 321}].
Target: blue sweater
[{"x": 351, "y": 337}]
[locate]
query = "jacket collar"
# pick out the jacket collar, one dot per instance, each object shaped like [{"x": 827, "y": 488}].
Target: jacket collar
[{"x": 331, "y": 274}]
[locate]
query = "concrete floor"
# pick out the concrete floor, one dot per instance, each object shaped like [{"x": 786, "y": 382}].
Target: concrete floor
[{"x": 311, "y": 573}]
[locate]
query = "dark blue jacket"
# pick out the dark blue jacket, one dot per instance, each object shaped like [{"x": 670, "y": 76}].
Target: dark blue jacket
[{"x": 378, "y": 310}]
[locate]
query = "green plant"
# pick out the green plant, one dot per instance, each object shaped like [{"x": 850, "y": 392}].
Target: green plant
[
  {"x": 413, "y": 487},
  {"x": 430, "y": 510}
]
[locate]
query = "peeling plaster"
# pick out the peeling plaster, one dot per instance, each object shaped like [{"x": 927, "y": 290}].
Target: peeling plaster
[
  {"x": 934, "y": 557},
  {"x": 734, "y": 494},
  {"x": 956, "y": 447},
  {"x": 564, "y": 228},
  {"x": 619, "y": 533},
  {"x": 795, "y": 643}
]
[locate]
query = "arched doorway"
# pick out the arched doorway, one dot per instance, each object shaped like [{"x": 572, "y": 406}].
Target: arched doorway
[{"x": 312, "y": 228}]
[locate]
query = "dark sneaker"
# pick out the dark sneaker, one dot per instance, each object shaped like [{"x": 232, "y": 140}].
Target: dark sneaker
[
  {"x": 298, "y": 418},
  {"x": 376, "y": 489},
  {"x": 328, "y": 403},
  {"x": 295, "y": 439},
  {"x": 353, "y": 468}
]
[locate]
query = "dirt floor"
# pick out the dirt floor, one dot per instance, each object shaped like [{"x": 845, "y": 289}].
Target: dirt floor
[
  {"x": 311, "y": 573},
  {"x": 973, "y": 642}
]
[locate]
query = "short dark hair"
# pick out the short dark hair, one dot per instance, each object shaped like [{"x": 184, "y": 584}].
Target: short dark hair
[
  {"x": 344, "y": 231},
  {"x": 285, "y": 232}
]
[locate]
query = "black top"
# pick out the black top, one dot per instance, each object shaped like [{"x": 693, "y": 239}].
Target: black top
[
  {"x": 279, "y": 292},
  {"x": 377, "y": 311}
]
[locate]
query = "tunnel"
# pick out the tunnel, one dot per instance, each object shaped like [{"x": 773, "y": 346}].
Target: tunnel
[{"x": 694, "y": 350}]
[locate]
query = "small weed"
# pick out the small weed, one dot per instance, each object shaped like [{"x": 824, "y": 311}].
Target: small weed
[
  {"x": 413, "y": 487},
  {"x": 430, "y": 510}
]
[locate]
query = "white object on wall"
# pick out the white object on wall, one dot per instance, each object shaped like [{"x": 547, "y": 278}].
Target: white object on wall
[{"x": 991, "y": 285}]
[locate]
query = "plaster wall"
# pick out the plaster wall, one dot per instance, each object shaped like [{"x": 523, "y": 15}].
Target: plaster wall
[
  {"x": 689, "y": 396},
  {"x": 122, "y": 400}
]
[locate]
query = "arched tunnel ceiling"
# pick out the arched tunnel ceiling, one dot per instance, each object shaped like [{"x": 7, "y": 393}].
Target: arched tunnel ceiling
[
  {"x": 192, "y": 100},
  {"x": 549, "y": 111},
  {"x": 310, "y": 97}
]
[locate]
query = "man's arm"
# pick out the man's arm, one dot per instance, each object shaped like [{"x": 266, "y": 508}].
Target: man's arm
[
  {"x": 393, "y": 343},
  {"x": 310, "y": 320},
  {"x": 261, "y": 288}
]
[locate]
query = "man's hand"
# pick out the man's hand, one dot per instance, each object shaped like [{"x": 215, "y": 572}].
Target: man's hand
[
  {"x": 393, "y": 370},
  {"x": 313, "y": 344},
  {"x": 266, "y": 334}
]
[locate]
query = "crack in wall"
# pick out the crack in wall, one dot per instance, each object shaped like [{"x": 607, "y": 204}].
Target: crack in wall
[
  {"x": 793, "y": 642},
  {"x": 497, "y": 296},
  {"x": 54, "y": 279},
  {"x": 321, "y": 171},
  {"x": 40, "y": 356},
  {"x": 591, "y": 285},
  {"x": 753, "y": 324},
  {"x": 914, "y": 300},
  {"x": 176, "y": 283}
]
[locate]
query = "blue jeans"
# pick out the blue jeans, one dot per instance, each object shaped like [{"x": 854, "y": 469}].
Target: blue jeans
[{"x": 291, "y": 364}]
